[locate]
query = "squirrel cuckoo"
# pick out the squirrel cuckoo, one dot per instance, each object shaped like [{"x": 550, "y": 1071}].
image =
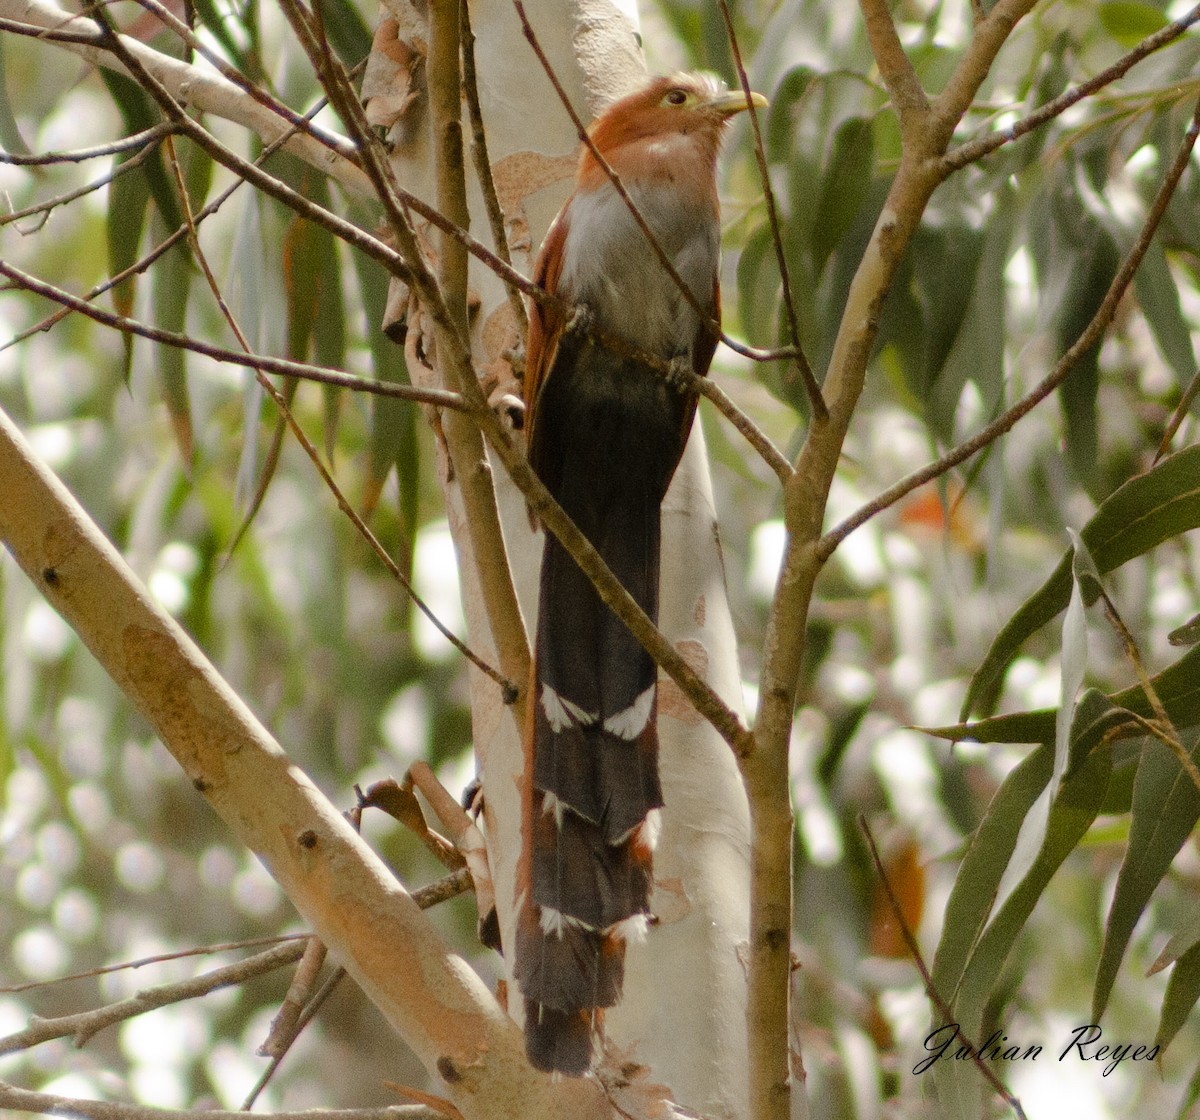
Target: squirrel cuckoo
[{"x": 606, "y": 433}]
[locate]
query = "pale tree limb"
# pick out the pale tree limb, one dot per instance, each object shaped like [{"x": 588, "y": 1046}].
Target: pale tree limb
[
  {"x": 926, "y": 132},
  {"x": 211, "y": 93},
  {"x": 347, "y": 896},
  {"x": 51, "y": 1104}
]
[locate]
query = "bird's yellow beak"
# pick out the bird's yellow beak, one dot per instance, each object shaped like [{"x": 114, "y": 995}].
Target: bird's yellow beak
[{"x": 734, "y": 101}]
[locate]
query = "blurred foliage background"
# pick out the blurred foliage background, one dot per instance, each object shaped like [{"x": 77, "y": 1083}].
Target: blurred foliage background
[{"x": 108, "y": 855}]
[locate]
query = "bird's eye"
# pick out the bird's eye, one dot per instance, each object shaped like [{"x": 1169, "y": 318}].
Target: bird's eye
[{"x": 676, "y": 97}]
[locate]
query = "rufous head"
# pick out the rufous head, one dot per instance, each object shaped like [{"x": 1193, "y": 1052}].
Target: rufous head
[{"x": 691, "y": 105}]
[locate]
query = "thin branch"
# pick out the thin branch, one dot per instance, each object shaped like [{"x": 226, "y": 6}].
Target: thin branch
[
  {"x": 84, "y": 1024},
  {"x": 976, "y": 149},
  {"x": 509, "y": 689},
  {"x": 299, "y": 122},
  {"x": 907, "y": 93},
  {"x": 931, "y": 991},
  {"x": 285, "y": 1042},
  {"x": 43, "y": 208},
  {"x": 202, "y": 89},
  {"x": 973, "y": 67},
  {"x": 1090, "y": 336},
  {"x": 815, "y": 400},
  {"x": 753, "y": 434},
  {"x": 160, "y": 958},
  {"x": 144, "y": 138},
  {"x": 1161, "y": 727},
  {"x": 438, "y": 397},
  {"x": 483, "y": 165},
  {"x": 50, "y": 1104},
  {"x": 456, "y": 883},
  {"x": 1178, "y": 416}
]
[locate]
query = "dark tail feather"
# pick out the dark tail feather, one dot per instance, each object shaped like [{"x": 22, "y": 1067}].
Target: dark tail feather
[
  {"x": 558, "y": 1041},
  {"x": 593, "y": 760}
]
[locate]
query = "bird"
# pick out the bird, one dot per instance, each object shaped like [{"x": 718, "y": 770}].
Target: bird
[{"x": 605, "y": 432}]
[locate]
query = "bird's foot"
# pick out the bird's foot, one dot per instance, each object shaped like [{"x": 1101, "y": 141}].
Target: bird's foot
[
  {"x": 680, "y": 374},
  {"x": 580, "y": 321}
]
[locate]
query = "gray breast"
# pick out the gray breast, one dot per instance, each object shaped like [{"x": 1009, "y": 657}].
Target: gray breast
[{"x": 610, "y": 265}]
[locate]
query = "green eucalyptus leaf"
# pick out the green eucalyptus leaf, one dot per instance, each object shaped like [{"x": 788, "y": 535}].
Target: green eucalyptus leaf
[
  {"x": 844, "y": 188},
  {"x": 1147, "y": 510},
  {"x": 1158, "y": 297},
  {"x": 1183, "y": 990},
  {"x": 1129, "y": 22},
  {"x": 1166, "y": 806}
]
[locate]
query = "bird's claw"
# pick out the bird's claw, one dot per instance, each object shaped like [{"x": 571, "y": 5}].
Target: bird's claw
[
  {"x": 580, "y": 321},
  {"x": 679, "y": 373}
]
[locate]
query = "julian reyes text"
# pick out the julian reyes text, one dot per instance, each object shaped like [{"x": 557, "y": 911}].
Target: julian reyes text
[{"x": 1083, "y": 1045}]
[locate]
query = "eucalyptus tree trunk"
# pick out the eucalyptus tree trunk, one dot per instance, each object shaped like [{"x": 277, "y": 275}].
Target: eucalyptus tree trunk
[{"x": 683, "y": 1011}]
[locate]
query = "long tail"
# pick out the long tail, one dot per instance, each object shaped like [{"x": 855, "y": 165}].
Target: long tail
[{"x": 592, "y": 753}]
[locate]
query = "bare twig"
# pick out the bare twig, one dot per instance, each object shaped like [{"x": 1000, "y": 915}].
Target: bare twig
[
  {"x": 439, "y": 397},
  {"x": 83, "y": 1025},
  {"x": 141, "y": 139},
  {"x": 43, "y": 208},
  {"x": 52, "y": 1104},
  {"x": 815, "y": 400},
  {"x": 976, "y": 149},
  {"x": 483, "y": 164},
  {"x": 931, "y": 991},
  {"x": 142, "y": 962},
  {"x": 1178, "y": 416},
  {"x": 908, "y": 95},
  {"x": 507, "y": 687},
  {"x": 1091, "y": 334}
]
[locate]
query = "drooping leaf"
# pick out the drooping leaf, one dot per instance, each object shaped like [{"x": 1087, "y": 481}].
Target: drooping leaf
[
  {"x": 1183, "y": 990},
  {"x": 1166, "y": 806},
  {"x": 11, "y": 139},
  {"x": 982, "y": 867},
  {"x": 845, "y": 185},
  {"x": 1178, "y": 687},
  {"x": 781, "y": 117},
  {"x": 139, "y": 112},
  {"x": 216, "y": 23},
  {"x": 347, "y": 31},
  {"x": 1158, "y": 296},
  {"x": 1147, "y": 510},
  {"x": 128, "y": 204},
  {"x": 393, "y": 423},
  {"x": 1073, "y": 660},
  {"x": 170, "y": 285},
  {"x": 1129, "y": 22},
  {"x": 965, "y": 294},
  {"x": 1185, "y": 937},
  {"x": 1074, "y": 809}
]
